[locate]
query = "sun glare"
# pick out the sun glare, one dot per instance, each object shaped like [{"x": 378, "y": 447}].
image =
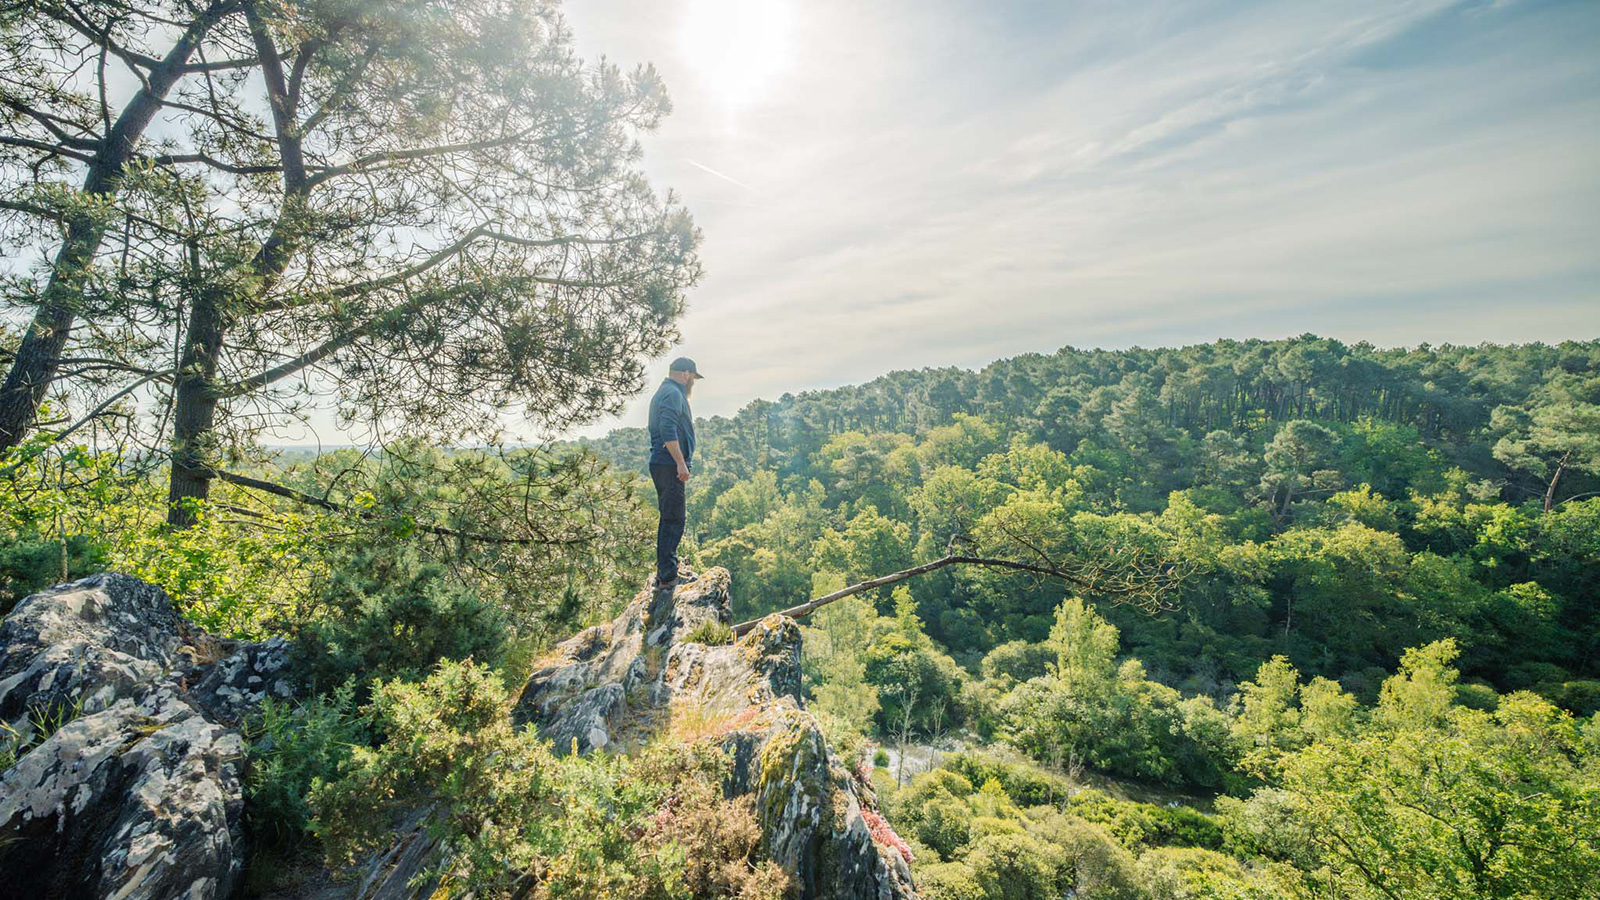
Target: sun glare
[{"x": 738, "y": 48}]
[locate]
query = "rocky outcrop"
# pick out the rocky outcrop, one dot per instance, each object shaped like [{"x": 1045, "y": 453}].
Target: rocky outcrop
[
  {"x": 137, "y": 793},
  {"x": 616, "y": 685}
]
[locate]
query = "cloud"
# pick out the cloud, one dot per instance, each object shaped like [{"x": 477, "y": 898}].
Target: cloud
[{"x": 946, "y": 183}]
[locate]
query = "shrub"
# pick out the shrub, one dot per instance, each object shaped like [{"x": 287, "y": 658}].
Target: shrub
[
  {"x": 1016, "y": 865},
  {"x": 1018, "y": 660},
  {"x": 1189, "y": 873},
  {"x": 1270, "y": 823},
  {"x": 948, "y": 881},
  {"x": 391, "y": 614},
  {"x": 1581, "y": 698},
  {"x": 1096, "y": 866},
  {"x": 294, "y": 747},
  {"x": 520, "y": 820},
  {"x": 1477, "y": 696},
  {"x": 31, "y": 562},
  {"x": 1135, "y": 824},
  {"x": 1025, "y": 783}
]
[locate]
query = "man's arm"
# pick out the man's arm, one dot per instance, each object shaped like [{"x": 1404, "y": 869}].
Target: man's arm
[
  {"x": 677, "y": 454},
  {"x": 668, "y": 423}
]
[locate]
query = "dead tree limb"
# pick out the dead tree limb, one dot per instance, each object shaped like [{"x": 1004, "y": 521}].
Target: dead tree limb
[{"x": 952, "y": 559}]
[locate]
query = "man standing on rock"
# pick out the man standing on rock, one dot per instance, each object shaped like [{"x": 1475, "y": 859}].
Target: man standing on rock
[{"x": 671, "y": 449}]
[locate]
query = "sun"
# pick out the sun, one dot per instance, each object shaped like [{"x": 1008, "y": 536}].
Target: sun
[{"x": 737, "y": 48}]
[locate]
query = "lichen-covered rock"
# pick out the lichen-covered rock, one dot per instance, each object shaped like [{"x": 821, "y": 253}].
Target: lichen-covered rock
[
  {"x": 90, "y": 642},
  {"x": 137, "y": 794},
  {"x": 615, "y": 685},
  {"x": 248, "y": 673}
]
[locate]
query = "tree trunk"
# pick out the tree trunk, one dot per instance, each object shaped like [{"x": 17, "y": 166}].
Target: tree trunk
[
  {"x": 1550, "y": 492},
  {"x": 195, "y": 412},
  {"x": 39, "y": 355}
]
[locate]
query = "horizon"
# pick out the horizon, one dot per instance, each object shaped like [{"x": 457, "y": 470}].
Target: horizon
[
  {"x": 899, "y": 187},
  {"x": 325, "y": 446}
]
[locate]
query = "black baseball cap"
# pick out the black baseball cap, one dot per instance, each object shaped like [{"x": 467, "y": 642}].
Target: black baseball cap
[{"x": 684, "y": 364}]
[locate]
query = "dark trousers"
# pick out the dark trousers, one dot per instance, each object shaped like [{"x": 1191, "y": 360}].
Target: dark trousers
[{"x": 670, "y": 501}]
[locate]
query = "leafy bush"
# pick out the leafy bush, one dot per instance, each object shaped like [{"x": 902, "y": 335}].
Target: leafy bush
[
  {"x": 1477, "y": 696},
  {"x": 1189, "y": 873},
  {"x": 52, "y": 498},
  {"x": 933, "y": 810},
  {"x": 912, "y": 675},
  {"x": 31, "y": 562},
  {"x": 520, "y": 820},
  {"x": 1018, "y": 660},
  {"x": 1581, "y": 698},
  {"x": 1146, "y": 824},
  {"x": 1025, "y": 783},
  {"x": 390, "y": 613},
  {"x": 293, "y": 748}
]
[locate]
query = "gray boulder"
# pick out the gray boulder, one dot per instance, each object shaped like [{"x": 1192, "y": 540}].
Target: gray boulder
[{"x": 137, "y": 794}]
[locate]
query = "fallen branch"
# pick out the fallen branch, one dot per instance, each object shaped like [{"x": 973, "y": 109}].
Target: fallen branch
[{"x": 952, "y": 559}]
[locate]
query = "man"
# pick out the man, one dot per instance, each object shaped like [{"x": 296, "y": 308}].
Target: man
[{"x": 671, "y": 450}]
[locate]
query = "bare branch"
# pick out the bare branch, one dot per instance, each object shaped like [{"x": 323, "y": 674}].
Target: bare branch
[{"x": 811, "y": 606}]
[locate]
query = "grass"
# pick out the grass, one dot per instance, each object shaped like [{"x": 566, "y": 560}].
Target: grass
[
  {"x": 693, "y": 720},
  {"x": 43, "y": 721},
  {"x": 711, "y": 632}
]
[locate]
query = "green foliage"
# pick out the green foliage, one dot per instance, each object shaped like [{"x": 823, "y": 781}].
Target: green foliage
[
  {"x": 1422, "y": 693},
  {"x": 1023, "y": 781},
  {"x": 917, "y": 684},
  {"x": 833, "y": 644},
  {"x": 518, "y": 818},
  {"x": 1416, "y": 797},
  {"x": 1018, "y": 661},
  {"x": 1140, "y": 825},
  {"x": 389, "y": 613},
  {"x": 1297, "y": 463},
  {"x": 1113, "y": 718},
  {"x": 294, "y": 748},
  {"x": 53, "y": 500},
  {"x": 711, "y": 631},
  {"x": 1453, "y": 803},
  {"x": 242, "y": 581},
  {"x": 30, "y": 561},
  {"x": 1192, "y": 873},
  {"x": 1085, "y": 646}
]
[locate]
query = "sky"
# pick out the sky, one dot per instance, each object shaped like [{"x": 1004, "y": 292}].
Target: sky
[{"x": 891, "y": 185}]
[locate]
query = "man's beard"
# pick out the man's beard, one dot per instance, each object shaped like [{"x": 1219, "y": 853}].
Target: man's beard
[{"x": 688, "y": 387}]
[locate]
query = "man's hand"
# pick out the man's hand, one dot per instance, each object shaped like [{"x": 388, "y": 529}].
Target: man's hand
[{"x": 677, "y": 456}]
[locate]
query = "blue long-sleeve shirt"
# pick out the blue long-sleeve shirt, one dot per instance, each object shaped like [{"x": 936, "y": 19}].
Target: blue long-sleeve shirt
[{"x": 670, "y": 420}]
